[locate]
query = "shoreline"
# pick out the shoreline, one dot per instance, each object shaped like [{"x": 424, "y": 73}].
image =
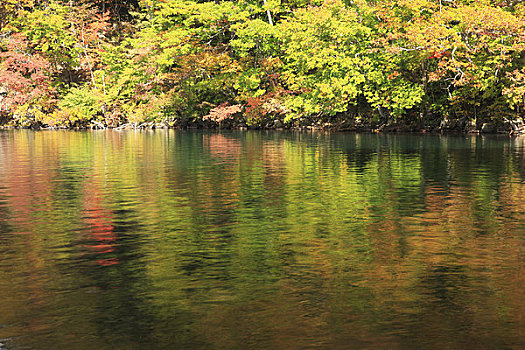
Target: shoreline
[
  {"x": 295, "y": 129},
  {"x": 492, "y": 129}
]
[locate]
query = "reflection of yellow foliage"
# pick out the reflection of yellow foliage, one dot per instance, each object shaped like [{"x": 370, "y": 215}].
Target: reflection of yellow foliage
[{"x": 320, "y": 245}]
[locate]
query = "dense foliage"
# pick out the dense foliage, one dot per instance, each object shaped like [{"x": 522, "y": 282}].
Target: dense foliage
[{"x": 426, "y": 63}]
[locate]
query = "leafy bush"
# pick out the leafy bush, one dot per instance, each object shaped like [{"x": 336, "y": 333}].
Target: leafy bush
[{"x": 84, "y": 103}]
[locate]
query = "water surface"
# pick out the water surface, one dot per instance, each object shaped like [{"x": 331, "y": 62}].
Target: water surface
[{"x": 261, "y": 240}]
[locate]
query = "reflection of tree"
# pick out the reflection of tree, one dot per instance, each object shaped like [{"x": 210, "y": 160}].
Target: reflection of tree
[
  {"x": 100, "y": 229},
  {"x": 235, "y": 240},
  {"x": 223, "y": 147}
]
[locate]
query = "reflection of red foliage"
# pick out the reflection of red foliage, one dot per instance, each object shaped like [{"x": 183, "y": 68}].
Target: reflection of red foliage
[
  {"x": 101, "y": 229},
  {"x": 103, "y": 248},
  {"x": 107, "y": 262},
  {"x": 99, "y": 221},
  {"x": 221, "y": 146}
]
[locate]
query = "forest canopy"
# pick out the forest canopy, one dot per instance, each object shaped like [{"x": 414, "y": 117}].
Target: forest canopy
[{"x": 107, "y": 63}]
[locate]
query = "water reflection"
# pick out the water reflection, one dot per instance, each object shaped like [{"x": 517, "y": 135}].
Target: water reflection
[{"x": 169, "y": 239}]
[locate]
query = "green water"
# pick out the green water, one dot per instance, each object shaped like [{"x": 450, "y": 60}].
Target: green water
[{"x": 261, "y": 240}]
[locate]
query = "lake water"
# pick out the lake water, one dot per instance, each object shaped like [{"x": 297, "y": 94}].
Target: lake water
[{"x": 261, "y": 240}]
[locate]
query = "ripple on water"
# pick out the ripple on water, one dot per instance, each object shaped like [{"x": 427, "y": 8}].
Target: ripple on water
[{"x": 260, "y": 240}]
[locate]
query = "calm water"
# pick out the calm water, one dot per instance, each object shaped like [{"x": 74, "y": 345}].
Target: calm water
[{"x": 261, "y": 240}]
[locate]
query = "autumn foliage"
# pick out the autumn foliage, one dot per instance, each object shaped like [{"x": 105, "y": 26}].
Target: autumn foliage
[
  {"x": 222, "y": 112},
  {"x": 108, "y": 63},
  {"x": 24, "y": 76}
]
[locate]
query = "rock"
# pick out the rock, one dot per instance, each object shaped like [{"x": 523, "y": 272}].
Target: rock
[
  {"x": 518, "y": 122},
  {"x": 470, "y": 126},
  {"x": 516, "y": 126},
  {"x": 487, "y": 128},
  {"x": 278, "y": 124},
  {"x": 505, "y": 128},
  {"x": 447, "y": 124}
]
